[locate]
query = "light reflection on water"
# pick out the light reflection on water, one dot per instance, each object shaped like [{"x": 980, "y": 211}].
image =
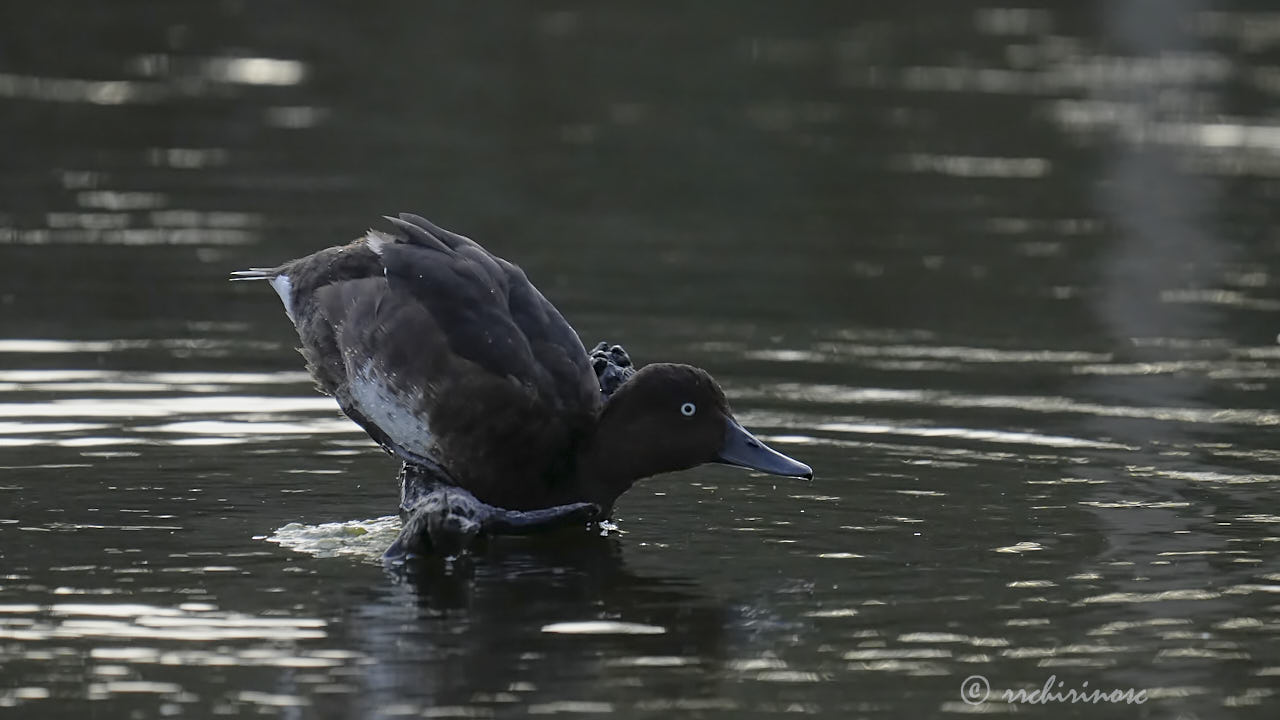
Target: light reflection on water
[
  {"x": 90, "y": 620},
  {"x": 128, "y": 638},
  {"x": 877, "y": 641}
]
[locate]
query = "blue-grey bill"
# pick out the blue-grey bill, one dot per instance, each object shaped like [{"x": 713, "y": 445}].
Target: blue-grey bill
[{"x": 742, "y": 449}]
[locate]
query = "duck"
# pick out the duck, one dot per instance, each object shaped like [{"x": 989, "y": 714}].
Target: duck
[{"x": 453, "y": 362}]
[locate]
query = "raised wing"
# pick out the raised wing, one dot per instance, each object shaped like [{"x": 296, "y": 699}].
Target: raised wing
[{"x": 420, "y": 334}]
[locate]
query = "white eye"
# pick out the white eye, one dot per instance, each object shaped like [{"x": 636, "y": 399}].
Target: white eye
[{"x": 688, "y": 409}]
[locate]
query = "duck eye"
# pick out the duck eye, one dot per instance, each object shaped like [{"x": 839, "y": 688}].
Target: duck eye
[{"x": 688, "y": 409}]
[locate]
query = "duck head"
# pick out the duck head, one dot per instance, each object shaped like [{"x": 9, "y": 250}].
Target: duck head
[{"x": 672, "y": 417}]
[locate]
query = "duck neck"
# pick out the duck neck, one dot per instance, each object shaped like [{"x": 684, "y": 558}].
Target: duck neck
[{"x": 609, "y": 463}]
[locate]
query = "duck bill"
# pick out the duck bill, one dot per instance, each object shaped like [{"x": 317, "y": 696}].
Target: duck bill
[{"x": 742, "y": 449}]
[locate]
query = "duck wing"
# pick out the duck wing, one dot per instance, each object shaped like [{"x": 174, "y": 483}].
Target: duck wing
[
  {"x": 447, "y": 356},
  {"x": 489, "y": 312}
]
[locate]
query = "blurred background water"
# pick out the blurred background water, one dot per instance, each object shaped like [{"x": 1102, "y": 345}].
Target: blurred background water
[{"x": 1005, "y": 276}]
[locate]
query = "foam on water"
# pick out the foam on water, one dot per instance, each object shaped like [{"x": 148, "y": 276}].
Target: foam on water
[{"x": 349, "y": 538}]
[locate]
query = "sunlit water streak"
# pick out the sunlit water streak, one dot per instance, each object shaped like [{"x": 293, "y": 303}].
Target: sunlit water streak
[{"x": 128, "y": 638}]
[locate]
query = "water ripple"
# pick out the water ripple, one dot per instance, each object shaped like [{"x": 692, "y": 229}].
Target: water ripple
[{"x": 145, "y": 622}]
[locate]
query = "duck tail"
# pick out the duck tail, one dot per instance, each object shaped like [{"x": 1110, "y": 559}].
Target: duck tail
[{"x": 255, "y": 274}]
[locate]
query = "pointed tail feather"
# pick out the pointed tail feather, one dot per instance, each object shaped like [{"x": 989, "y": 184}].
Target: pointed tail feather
[{"x": 255, "y": 274}]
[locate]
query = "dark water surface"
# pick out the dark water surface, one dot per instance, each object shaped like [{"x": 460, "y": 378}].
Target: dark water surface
[{"x": 1006, "y": 278}]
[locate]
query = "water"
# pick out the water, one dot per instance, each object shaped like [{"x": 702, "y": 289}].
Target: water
[{"x": 1006, "y": 278}]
